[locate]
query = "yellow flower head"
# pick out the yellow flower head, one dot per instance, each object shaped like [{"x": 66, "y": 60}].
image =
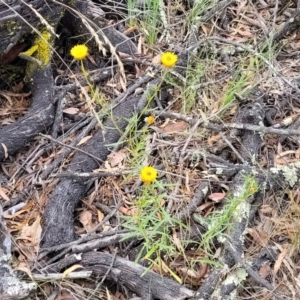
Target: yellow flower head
[
  {"x": 79, "y": 52},
  {"x": 169, "y": 59},
  {"x": 148, "y": 174},
  {"x": 150, "y": 120}
]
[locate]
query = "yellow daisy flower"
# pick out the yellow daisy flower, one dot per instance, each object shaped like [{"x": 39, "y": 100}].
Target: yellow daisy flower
[
  {"x": 150, "y": 120},
  {"x": 79, "y": 52},
  {"x": 148, "y": 174},
  {"x": 169, "y": 59}
]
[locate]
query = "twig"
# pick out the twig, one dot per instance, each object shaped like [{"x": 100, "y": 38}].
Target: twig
[
  {"x": 181, "y": 161},
  {"x": 249, "y": 49},
  {"x": 257, "y": 128},
  {"x": 250, "y": 271},
  {"x": 105, "y": 219},
  {"x": 199, "y": 196},
  {"x": 131, "y": 89},
  {"x": 91, "y": 174},
  {"x": 215, "y": 10},
  {"x": 71, "y": 147},
  {"x": 108, "y": 270},
  {"x": 56, "y": 276},
  {"x": 46, "y": 251},
  {"x": 233, "y": 149},
  {"x": 224, "y": 126}
]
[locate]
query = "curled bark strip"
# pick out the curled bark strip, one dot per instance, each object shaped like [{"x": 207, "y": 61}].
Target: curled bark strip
[{"x": 38, "y": 119}]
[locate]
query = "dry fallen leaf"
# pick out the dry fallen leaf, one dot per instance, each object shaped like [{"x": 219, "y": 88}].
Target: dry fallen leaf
[
  {"x": 84, "y": 140},
  {"x": 264, "y": 271},
  {"x": 32, "y": 233},
  {"x": 23, "y": 266},
  {"x": 279, "y": 260},
  {"x": 244, "y": 32},
  {"x": 3, "y": 194},
  {"x": 71, "y": 269},
  {"x": 126, "y": 211},
  {"x": 156, "y": 59},
  {"x": 100, "y": 215},
  {"x": 115, "y": 158},
  {"x": 177, "y": 241},
  {"x": 85, "y": 218},
  {"x": 259, "y": 235},
  {"x": 29, "y": 238},
  {"x": 204, "y": 206},
  {"x": 217, "y": 197},
  {"x": 175, "y": 127},
  {"x": 212, "y": 139},
  {"x": 71, "y": 110},
  {"x": 66, "y": 295},
  {"x": 266, "y": 209}
]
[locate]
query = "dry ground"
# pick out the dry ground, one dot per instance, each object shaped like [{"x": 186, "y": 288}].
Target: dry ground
[{"x": 239, "y": 56}]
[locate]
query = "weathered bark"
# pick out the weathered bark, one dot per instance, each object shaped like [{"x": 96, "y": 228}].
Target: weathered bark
[
  {"x": 19, "y": 19},
  {"x": 107, "y": 32},
  {"x": 145, "y": 283},
  {"x": 38, "y": 119},
  {"x": 223, "y": 283},
  {"x": 252, "y": 113},
  {"x": 19, "y": 23},
  {"x": 58, "y": 217},
  {"x": 11, "y": 288}
]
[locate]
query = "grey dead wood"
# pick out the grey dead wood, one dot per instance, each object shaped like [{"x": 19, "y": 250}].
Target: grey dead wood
[
  {"x": 17, "y": 18},
  {"x": 252, "y": 113},
  {"x": 144, "y": 282},
  {"x": 20, "y": 21},
  {"x": 58, "y": 266},
  {"x": 58, "y": 218},
  {"x": 11, "y": 287},
  {"x": 59, "y": 277},
  {"x": 289, "y": 26},
  {"x": 93, "y": 13},
  {"x": 87, "y": 241},
  {"x": 216, "y": 9},
  {"x": 215, "y": 285},
  {"x": 65, "y": 153},
  {"x": 38, "y": 119},
  {"x": 223, "y": 282},
  {"x": 262, "y": 129},
  {"x": 103, "y": 242},
  {"x": 224, "y": 287}
]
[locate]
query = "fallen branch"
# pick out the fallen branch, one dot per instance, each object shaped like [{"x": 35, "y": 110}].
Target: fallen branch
[
  {"x": 38, "y": 119},
  {"x": 225, "y": 126},
  {"x": 144, "y": 282}
]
